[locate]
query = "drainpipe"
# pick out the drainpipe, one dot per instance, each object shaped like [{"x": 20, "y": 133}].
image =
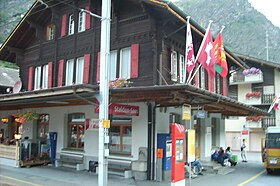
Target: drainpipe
[{"x": 149, "y": 164}]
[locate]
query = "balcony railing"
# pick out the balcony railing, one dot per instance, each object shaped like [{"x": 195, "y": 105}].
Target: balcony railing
[
  {"x": 268, "y": 122},
  {"x": 239, "y": 78},
  {"x": 265, "y": 99}
]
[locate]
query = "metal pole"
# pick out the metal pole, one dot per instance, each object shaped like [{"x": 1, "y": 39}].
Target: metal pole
[{"x": 104, "y": 92}]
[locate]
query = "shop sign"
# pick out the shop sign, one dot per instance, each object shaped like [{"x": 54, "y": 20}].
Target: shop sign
[
  {"x": 119, "y": 109},
  {"x": 245, "y": 132},
  {"x": 92, "y": 124}
]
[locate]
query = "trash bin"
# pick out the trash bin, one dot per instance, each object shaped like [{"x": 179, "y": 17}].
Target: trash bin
[
  {"x": 92, "y": 166},
  {"x": 234, "y": 158}
]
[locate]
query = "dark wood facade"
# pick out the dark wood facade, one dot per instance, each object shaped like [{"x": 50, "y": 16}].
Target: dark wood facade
[{"x": 156, "y": 31}]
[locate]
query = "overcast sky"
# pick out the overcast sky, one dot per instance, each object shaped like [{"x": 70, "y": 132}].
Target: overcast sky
[{"x": 270, "y": 8}]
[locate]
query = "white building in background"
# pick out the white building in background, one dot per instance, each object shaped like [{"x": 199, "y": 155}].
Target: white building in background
[{"x": 256, "y": 87}]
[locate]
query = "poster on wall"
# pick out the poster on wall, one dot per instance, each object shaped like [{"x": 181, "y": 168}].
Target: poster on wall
[{"x": 186, "y": 112}]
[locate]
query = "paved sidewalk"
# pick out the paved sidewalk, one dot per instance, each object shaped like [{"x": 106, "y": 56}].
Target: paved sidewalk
[{"x": 52, "y": 176}]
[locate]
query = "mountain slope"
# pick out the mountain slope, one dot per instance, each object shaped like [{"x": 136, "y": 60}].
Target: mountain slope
[{"x": 245, "y": 27}]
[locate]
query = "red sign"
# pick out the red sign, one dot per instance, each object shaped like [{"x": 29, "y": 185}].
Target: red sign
[
  {"x": 119, "y": 109},
  {"x": 178, "y": 154},
  {"x": 245, "y": 132}
]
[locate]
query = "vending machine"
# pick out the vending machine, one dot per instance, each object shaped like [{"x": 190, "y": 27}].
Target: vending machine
[{"x": 164, "y": 142}]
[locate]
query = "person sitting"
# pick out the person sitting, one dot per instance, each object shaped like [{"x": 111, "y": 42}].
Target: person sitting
[
  {"x": 215, "y": 155},
  {"x": 223, "y": 156},
  {"x": 197, "y": 165}
]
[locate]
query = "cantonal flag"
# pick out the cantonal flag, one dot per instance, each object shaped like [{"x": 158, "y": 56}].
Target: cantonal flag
[
  {"x": 220, "y": 56},
  {"x": 205, "y": 54},
  {"x": 190, "y": 60}
]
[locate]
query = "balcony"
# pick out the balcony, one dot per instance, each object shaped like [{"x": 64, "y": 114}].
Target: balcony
[
  {"x": 237, "y": 78},
  {"x": 265, "y": 99}
]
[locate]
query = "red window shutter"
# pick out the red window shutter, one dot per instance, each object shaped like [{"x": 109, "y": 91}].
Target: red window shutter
[
  {"x": 225, "y": 86},
  {"x": 86, "y": 68},
  {"x": 87, "y": 18},
  {"x": 60, "y": 72},
  {"x": 196, "y": 80},
  {"x": 211, "y": 83},
  {"x": 64, "y": 25},
  {"x": 30, "y": 78},
  {"x": 98, "y": 68},
  {"x": 50, "y": 74},
  {"x": 134, "y": 60}
]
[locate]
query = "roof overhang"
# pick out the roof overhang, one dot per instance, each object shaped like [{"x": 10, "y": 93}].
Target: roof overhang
[{"x": 162, "y": 96}]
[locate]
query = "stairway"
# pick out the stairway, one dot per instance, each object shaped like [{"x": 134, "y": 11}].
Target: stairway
[{"x": 213, "y": 167}]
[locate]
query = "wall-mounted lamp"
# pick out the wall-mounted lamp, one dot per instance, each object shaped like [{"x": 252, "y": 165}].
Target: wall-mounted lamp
[
  {"x": 17, "y": 120},
  {"x": 5, "y": 120}
]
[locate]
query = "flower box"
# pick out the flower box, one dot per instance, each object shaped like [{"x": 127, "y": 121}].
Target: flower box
[
  {"x": 254, "y": 78},
  {"x": 253, "y": 101}
]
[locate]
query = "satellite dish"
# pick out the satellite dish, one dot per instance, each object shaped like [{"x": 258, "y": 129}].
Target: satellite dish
[{"x": 17, "y": 87}]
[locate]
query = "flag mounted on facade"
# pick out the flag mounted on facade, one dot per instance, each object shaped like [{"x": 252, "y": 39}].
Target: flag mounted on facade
[
  {"x": 275, "y": 104},
  {"x": 190, "y": 60},
  {"x": 205, "y": 55},
  {"x": 220, "y": 56}
]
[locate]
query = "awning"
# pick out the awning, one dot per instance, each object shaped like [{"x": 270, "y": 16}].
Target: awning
[{"x": 162, "y": 96}]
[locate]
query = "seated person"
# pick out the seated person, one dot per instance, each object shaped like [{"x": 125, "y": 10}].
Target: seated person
[
  {"x": 198, "y": 166},
  {"x": 215, "y": 155},
  {"x": 223, "y": 156}
]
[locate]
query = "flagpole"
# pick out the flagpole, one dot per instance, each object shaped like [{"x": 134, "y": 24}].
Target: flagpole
[{"x": 199, "y": 51}]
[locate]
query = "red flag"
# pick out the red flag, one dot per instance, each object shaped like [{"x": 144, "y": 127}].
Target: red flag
[
  {"x": 190, "y": 60},
  {"x": 220, "y": 56},
  {"x": 205, "y": 54}
]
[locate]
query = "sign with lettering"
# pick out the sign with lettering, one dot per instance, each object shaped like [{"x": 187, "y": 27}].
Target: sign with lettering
[{"x": 119, "y": 109}]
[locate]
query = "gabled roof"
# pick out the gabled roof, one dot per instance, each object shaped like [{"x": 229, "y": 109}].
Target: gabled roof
[{"x": 8, "y": 77}]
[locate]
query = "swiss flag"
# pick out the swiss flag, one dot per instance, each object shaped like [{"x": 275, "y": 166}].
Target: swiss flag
[{"x": 205, "y": 54}]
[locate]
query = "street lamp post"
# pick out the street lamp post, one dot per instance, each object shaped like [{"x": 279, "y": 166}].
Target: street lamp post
[{"x": 103, "y": 150}]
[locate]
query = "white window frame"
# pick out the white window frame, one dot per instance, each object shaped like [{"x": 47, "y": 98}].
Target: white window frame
[
  {"x": 45, "y": 76},
  {"x": 82, "y": 21},
  {"x": 113, "y": 65},
  {"x": 202, "y": 78},
  {"x": 71, "y": 25},
  {"x": 37, "y": 78},
  {"x": 125, "y": 63},
  {"x": 182, "y": 68},
  {"x": 174, "y": 66},
  {"x": 69, "y": 72},
  {"x": 79, "y": 70},
  {"x": 50, "y": 31}
]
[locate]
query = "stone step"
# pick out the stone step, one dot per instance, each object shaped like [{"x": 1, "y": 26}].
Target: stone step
[{"x": 213, "y": 167}]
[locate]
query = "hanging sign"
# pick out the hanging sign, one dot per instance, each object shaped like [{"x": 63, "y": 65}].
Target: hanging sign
[{"x": 186, "y": 115}]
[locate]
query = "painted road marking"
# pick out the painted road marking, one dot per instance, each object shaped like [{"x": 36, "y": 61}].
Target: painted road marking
[
  {"x": 22, "y": 181},
  {"x": 251, "y": 179}
]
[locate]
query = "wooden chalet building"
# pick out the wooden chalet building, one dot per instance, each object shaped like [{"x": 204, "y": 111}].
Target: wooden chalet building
[{"x": 56, "y": 46}]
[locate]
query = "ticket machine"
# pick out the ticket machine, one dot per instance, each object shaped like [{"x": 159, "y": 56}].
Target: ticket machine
[{"x": 164, "y": 142}]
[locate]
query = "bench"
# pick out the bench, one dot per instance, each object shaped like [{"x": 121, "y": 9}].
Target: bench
[
  {"x": 120, "y": 167},
  {"x": 71, "y": 159}
]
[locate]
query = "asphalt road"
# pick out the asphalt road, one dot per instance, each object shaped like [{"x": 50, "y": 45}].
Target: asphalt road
[{"x": 251, "y": 173}]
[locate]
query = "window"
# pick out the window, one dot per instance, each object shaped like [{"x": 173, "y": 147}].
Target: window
[
  {"x": 79, "y": 70},
  {"x": 37, "y": 82},
  {"x": 113, "y": 65},
  {"x": 202, "y": 78},
  {"x": 74, "y": 70},
  {"x": 71, "y": 25},
  {"x": 125, "y": 59},
  {"x": 69, "y": 72},
  {"x": 182, "y": 67},
  {"x": 174, "y": 73},
  {"x": 76, "y": 130},
  {"x": 120, "y": 138},
  {"x": 45, "y": 77},
  {"x": 43, "y": 128},
  {"x": 50, "y": 32},
  {"x": 82, "y": 21}
]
